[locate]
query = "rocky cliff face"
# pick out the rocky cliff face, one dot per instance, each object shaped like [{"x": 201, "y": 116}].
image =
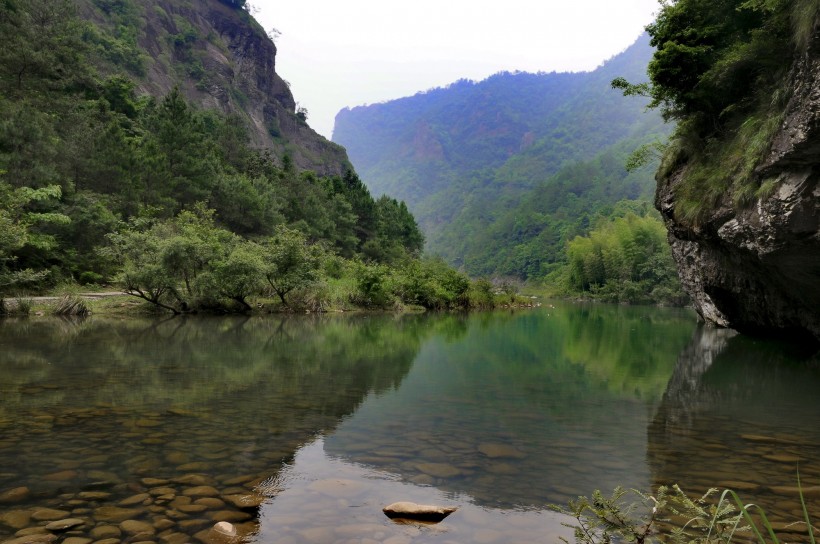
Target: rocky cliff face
[
  {"x": 221, "y": 58},
  {"x": 757, "y": 269}
]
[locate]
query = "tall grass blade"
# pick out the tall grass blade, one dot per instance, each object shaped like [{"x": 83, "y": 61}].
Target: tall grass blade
[
  {"x": 714, "y": 520},
  {"x": 805, "y": 510},
  {"x": 744, "y": 509}
]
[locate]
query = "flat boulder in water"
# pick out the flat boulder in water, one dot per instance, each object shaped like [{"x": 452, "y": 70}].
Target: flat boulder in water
[{"x": 421, "y": 512}]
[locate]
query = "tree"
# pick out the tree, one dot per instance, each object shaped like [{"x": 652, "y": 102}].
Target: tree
[
  {"x": 237, "y": 276},
  {"x": 41, "y": 48},
  {"x": 290, "y": 262}
]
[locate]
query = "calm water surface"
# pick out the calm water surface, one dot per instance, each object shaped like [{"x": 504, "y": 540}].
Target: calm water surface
[{"x": 300, "y": 429}]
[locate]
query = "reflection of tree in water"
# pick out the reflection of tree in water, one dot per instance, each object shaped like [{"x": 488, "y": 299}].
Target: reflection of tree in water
[
  {"x": 739, "y": 413},
  {"x": 188, "y": 362},
  {"x": 154, "y": 398},
  {"x": 527, "y": 408}
]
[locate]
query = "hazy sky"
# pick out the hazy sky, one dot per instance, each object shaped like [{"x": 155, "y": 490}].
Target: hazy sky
[{"x": 347, "y": 53}]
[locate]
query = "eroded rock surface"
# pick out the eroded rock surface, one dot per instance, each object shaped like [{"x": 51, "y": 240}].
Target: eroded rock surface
[{"x": 756, "y": 269}]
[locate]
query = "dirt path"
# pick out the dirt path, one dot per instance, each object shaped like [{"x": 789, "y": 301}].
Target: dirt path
[{"x": 89, "y": 296}]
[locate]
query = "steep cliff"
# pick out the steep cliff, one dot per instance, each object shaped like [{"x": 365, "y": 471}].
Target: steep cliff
[
  {"x": 756, "y": 267},
  {"x": 221, "y": 58}
]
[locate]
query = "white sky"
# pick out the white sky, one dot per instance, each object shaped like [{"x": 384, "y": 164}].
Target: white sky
[{"x": 353, "y": 52}]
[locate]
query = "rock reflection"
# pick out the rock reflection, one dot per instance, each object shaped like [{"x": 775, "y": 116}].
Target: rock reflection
[{"x": 740, "y": 413}]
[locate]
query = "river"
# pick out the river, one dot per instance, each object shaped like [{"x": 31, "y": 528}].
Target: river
[{"x": 301, "y": 428}]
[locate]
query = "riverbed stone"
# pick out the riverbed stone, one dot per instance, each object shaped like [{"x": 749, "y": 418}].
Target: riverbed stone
[
  {"x": 160, "y": 491},
  {"x": 783, "y": 458},
  {"x": 17, "y": 494},
  {"x": 225, "y": 528},
  {"x": 163, "y": 524},
  {"x": 49, "y": 514},
  {"x": 438, "y": 470},
  {"x": 231, "y": 516},
  {"x": 64, "y": 524},
  {"x": 133, "y": 500},
  {"x": 193, "y": 479},
  {"x": 192, "y": 508},
  {"x": 16, "y": 519},
  {"x": 236, "y": 490},
  {"x": 175, "y": 538},
  {"x": 238, "y": 480},
  {"x": 108, "y": 541},
  {"x": 201, "y": 491},
  {"x": 180, "y": 500},
  {"x": 137, "y": 527},
  {"x": 33, "y": 539},
  {"x": 424, "y": 512},
  {"x": 246, "y": 501},
  {"x": 154, "y": 482},
  {"x": 60, "y": 476},
  {"x": 115, "y": 514},
  {"x": 102, "y": 532},
  {"x": 199, "y": 466},
  {"x": 93, "y": 495},
  {"x": 211, "y": 502},
  {"x": 77, "y": 540},
  {"x": 194, "y": 524}
]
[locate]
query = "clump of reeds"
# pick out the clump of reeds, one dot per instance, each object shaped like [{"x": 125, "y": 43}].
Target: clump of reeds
[{"x": 72, "y": 305}]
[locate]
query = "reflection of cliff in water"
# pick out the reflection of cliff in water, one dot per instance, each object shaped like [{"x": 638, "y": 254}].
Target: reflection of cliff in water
[
  {"x": 103, "y": 404},
  {"x": 739, "y": 413}
]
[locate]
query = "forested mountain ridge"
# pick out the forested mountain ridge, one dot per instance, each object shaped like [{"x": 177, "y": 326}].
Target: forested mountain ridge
[
  {"x": 219, "y": 57},
  {"x": 503, "y": 173},
  {"x": 172, "y": 201},
  {"x": 411, "y": 147}
]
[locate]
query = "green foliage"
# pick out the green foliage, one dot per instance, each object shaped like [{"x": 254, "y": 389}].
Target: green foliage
[
  {"x": 112, "y": 42},
  {"x": 236, "y": 277},
  {"x": 290, "y": 262},
  {"x": 433, "y": 284},
  {"x": 98, "y": 184},
  {"x": 625, "y": 260},
  {"x": 721, "y": 69},
  {"x": 671, "y": 516},
  {"x": 502, "y": 173}
]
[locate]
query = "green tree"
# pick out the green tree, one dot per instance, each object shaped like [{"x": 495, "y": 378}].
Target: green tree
[
  {"x": 290, "y": 263},
  {"x": 41, "y": 49},
  {"x": 236, "y": 276}
]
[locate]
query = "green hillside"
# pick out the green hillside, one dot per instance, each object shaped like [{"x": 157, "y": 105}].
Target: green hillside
[
  {"x": 503, "y": 173},
  {"x": 117, "y": 167}
]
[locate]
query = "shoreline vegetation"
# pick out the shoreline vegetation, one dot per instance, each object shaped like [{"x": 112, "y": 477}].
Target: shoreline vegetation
[{"x": 671, "y": 515}]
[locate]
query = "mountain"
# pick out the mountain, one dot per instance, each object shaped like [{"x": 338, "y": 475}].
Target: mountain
[
  {"x": 220, "y": 58},
  {"x": 501, "y": 173},
  {"x": 132, "y": 151}
]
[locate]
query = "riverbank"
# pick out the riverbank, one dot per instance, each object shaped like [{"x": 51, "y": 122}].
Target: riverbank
[{"x": 119, "y": 303}]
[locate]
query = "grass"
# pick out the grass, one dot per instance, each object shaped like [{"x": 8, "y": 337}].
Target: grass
[
  {"x": 672, "y": 516},
  {"x": 723, "y": 167},
  {"x": 71, "y": 305}
]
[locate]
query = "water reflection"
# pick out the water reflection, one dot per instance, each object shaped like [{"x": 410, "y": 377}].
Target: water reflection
[
  {"x": 320, "y": 421},
  {"x": 526, "y": 409},
  {"x": 741, "y": 413},
  {"x": 139, "y": 413}
]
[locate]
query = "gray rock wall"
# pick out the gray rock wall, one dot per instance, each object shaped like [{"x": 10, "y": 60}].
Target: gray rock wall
[{"x": 757, "y": 269}]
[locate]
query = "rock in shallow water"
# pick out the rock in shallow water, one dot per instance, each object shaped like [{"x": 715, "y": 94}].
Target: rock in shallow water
[{"x": 422, "y": 512}]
